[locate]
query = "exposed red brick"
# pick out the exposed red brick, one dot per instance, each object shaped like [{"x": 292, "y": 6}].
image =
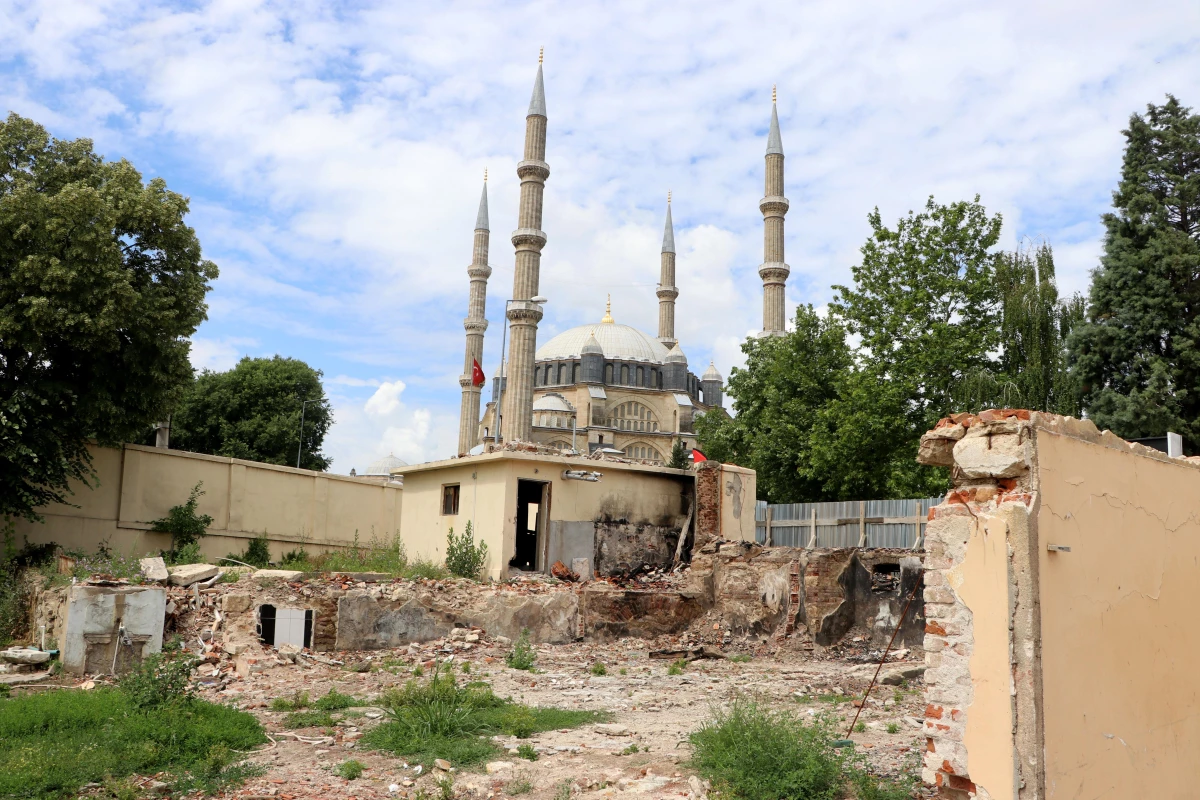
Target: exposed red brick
[
  {"x": 956, "y": 714},
  {"x": 929, "y": 745},
  {"x": 961, "y": 784},
  {"x": 933, "y": 627},
  {"x": 946, "y": 768},
  {"x": 933, "y": 712}
]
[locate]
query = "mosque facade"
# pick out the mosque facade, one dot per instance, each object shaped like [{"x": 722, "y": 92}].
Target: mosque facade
[{"x": 604, "y": 385}]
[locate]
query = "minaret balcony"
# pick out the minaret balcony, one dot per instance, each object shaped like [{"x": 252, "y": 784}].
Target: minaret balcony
[
  {"x": 525, "y": 311},
  {"x": 774, "y": 272},
  {"x": 529, "y": 237},
  {"x": 475, "y": 325},
  {"x": 667, "y": 293},
  {"x": 773, "y": 206},
  {"x": 533, "y": 170}
]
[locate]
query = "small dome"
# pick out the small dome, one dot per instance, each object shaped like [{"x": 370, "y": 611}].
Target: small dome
[
  {"x": 592, "y": 345},
  {"x": 711, "y": 373},
  {"x": 675, "y": 356},
  {"x": 384, "y": 466},
  {"x": 553, "y": 402},
  {"x": 501, "y": 370}
]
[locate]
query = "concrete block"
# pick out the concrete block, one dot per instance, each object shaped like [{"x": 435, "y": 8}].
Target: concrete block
[
  {"x": 990, "y": 457},
  {"x": 187, "y": 574},
  {"x": 236, "y": 603},
  {"x": 277, "y": 574},
  {"x": 24, "y": 655},
  {"x": 154, "y": 569}
]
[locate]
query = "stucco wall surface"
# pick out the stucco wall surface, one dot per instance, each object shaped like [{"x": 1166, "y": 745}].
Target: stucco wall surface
[
  {"x": 137, "y": 485},
  {"x": 1119, "y": 638}
]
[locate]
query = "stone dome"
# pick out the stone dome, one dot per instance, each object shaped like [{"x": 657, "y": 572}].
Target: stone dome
[
  {"x": 619, "y": 342},
  {"x": 384, "y": 466},
  {"x": 711, "y": 373},
  {"x": 553, "y": 402}
]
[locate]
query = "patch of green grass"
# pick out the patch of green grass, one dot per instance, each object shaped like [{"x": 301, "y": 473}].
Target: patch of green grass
[
  {"x": 351, "y": 770},
  {"x": 677, "y": 667},
  {"x": 834, "y": 698},
  {"x": 466, "y": 667},
  {"x": 893, "y": 727},
  {"x": 630, "y": 750},
  {"x": 624, "y": 671},
  {"x": 860, "y": 727},
  {"x": 599, "y": 669},
  {"x": 377, "y": 555},
  {"x": 297, "y": 701},
  {"x": 754, "y": 752},
  {"x": 740, "y": 658},
  {"x": 527, "y": 752},
  {"x": 522, "y": 655},
  {"x": 418, "y": 671},
  {"x": 334, "y": 701},
  {"x": 51, "y": 743},
  {"x": 308, "y": 719},
  {"x": 437, "y": 718}
]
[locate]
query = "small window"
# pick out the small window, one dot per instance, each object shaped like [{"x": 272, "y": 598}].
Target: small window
[{"x": 450, "y": 500}]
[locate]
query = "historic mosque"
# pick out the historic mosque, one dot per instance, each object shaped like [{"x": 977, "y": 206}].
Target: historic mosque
[{"x": 603, "y": 385}]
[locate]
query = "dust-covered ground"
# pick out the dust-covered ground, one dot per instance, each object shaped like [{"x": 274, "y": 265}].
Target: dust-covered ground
[{"x": 641, "y": 752}]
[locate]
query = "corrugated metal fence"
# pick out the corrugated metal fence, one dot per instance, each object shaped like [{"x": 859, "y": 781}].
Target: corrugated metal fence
[{"x": 849, "y": 523}]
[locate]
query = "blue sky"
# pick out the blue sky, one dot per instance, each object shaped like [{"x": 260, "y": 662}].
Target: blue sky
[{"x": 333, "y": 154}]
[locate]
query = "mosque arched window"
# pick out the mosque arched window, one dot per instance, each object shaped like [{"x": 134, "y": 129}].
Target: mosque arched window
[
  {"x": 608, "y": 373},
  {"x": 624, "y": 374},
  {"x": 643, "y": 451},
  {"x": 575, "y": 373},
  {"x": 562, "y": 373},
  {"x": 633, "y": 416},
  {"x": 559, "y": 444},
  {"x": 641, "y": 376}
]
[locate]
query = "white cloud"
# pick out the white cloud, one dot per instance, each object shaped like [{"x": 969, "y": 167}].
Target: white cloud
[
  {"x": 218, "y": 355},
  {"x": 386, "y": 399}
]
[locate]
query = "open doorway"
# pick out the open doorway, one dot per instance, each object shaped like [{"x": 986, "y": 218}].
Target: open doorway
[{"x": 533, "y": 500}]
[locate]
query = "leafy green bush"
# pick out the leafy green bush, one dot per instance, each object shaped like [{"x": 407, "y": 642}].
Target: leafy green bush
[
  {"x": 187, "y": 554},
  {"x": 599, "y": 669},
  {"x": 677, "y": 667},
  {"x": 527, "y": 752},
  {"x": 256, "y": 554},
  {"x": 893, "y": 727},
  {"x": 162, "y": 679},
  {"x": 183, "y": 523},
  {"x": 351, "y": 770},
  {"x": 464, "y": 558},
  {"x": 522, "y": 655}
]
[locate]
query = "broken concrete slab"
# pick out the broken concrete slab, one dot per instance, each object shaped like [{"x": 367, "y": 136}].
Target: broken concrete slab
[
  {"x": 187, "y": 574},
  {"x": 21, "y": 678},
  {"x": 990, "y": 456},
  {"x": 277, "y": 574},
  {"x": 24, "y": 655},
  {"x": 894, "y": 677},
  {"x": 612, "y": 729},
  {"x": 154, "y": 569}
]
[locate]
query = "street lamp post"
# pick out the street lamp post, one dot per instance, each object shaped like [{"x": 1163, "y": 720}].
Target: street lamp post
[
  {"x": 503, "y": 369},
  {"x": 300, "y": 446}
]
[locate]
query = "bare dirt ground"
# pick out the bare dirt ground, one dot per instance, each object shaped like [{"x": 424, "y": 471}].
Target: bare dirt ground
[{"x": 650, "y": 709}]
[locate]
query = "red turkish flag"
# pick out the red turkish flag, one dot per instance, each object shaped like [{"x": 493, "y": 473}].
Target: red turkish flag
[
  {"x": 477, "y": 376},
  {"x": 697, "y": 456}
]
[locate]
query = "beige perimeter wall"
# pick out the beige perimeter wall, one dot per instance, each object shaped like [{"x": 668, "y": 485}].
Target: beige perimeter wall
[
  {"x": 1120, "y": 642},
  {"x": 245, "y": 498},
  {"x": 488, "y": 498}
]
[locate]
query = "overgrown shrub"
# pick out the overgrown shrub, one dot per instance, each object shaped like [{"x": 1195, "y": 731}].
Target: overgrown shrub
[
  {"x": 14, "y": 589},
  {"x": 161, "y": 679},
  {"x": 351, "y": 770},
  {"x": 183, "y": 523},
  {"x": 523, "y": 655},
  {"x": 464, "y": 558},
  {"x": 256, "y": 554}
]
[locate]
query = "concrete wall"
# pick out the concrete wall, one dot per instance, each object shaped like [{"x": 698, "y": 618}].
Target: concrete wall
[
  {"x": 1052, "y": 672},
  {"x": 245, "y": 498},
  {"x": 488, "y": 498}
]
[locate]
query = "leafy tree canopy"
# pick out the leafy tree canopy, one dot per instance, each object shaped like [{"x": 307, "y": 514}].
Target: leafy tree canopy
[
  {"x": 101, "y": 284},
  {"x": 1136, "y": 356},
  {"x": 253, "y": 412}
]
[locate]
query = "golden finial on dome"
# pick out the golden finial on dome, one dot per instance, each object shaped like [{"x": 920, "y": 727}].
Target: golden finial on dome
[
  {"x": 773, "y": 93},
  {"x": 608, "y": 312},
  {"x": 541, "y": 54}
]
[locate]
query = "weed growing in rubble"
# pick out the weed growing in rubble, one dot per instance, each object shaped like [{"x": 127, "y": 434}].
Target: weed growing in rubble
[
  {"x": 464, "y": 557},
  {"x": 518, "y": 786},
  {"x": 893, "y": 727},
  {"x": 677, "y": 667},
  {"x": 740, "y": 658},
  {"x": 334, "y": 701},
  {"x": 753, "y": 752},
  {"x": 296, "y": 702},
  {"x": 631, "y": 750},
  {"x": 522, "y": 655},
  {"x": 308, "y": 719},
  {"x": 527, "y": 752},
  {"x": 860, "y": 727},
  {"x": 438, "y": 718},
  {"x": 563, "y": 791},
  {"x": 418, "y": 671},
  {"x": 162, "y": 679},
  {"x": 599, "y": 669},
  {"x": 183, "y": 523},
  {"x": 351, "y": 770},
  {"x": 624, "y": 671},
  {"x": 445, "y": 788}
]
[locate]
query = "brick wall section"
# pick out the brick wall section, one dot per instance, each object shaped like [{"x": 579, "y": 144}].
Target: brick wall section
[{"x": 708, "y": 502}]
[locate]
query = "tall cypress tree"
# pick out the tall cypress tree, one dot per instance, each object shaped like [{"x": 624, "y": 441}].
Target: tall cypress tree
[{"x": 1135, "y": 357}]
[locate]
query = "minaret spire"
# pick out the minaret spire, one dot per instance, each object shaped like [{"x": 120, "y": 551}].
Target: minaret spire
[
  {"x": 774, "y": 272},
  {"x": 666, "y": 284},
  {"x": 528, "y": 240},
  {"x": 472, "y": 379}
]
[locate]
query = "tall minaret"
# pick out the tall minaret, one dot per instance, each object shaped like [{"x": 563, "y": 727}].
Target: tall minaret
[
  {"x": 774, "y": 206},
  {"x": 528, "y": 239},
  {"x": 666, "y": 284},
  {"x": 476, "y": 324}
]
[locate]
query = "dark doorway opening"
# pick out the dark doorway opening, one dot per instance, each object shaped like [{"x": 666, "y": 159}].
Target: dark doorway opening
[
  {"x": 531, "y": 513},
  {"x": 885, "y": 577}
]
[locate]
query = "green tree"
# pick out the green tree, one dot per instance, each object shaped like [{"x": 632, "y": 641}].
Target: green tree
[
  {"x": 1031, "y": 371},
  {"x": 1136, "y": 356},
  {"x": 101, "y": 284},
  {"x": 253, "y": 412},
  {"x": 787, "y": 380},
  {"x": 679, "y": 456}
]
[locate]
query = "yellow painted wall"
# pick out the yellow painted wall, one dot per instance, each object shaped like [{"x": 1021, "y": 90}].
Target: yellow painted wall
[
  {"x": 488, "y": 496},
  {"x": 245, "y": 498},
  {"x": 1120, "y": 643}
]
